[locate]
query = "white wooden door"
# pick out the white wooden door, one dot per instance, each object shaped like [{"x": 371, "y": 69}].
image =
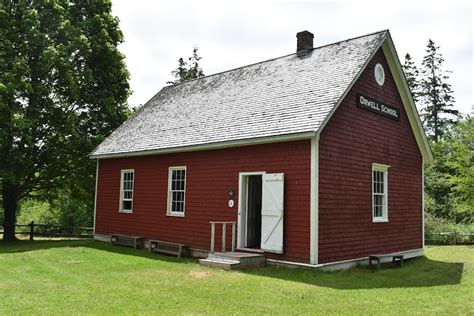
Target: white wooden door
[{"x": 272, "y": 212}]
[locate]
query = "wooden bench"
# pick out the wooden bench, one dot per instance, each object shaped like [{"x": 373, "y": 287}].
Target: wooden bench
[
  {"x": 397, "y": 259},
  {"x": 167, "y": 247},
  {"x": 125, "y": 240}
]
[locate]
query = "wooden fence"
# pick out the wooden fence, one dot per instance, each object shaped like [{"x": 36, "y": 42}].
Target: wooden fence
[
  {"x": 46, "y": 230},
  {"x": 449, "y": 238}
]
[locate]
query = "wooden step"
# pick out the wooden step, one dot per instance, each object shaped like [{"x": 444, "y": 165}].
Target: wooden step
[
  {"x": 219, "y": 264},
  {"x": 234, "y": 260}
]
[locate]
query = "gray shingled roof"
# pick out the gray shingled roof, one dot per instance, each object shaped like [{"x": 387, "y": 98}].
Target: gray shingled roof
[{"x": 287, "y": 95}]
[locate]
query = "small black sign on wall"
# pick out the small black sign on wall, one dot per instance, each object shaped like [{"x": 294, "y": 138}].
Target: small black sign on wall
[{"x": 378, "y": 107}]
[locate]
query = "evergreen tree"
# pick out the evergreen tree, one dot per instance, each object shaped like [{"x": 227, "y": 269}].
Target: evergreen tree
[
  {"x": 411, "y": 75},
  {"x": 435, "y": 95},
  {"x": 188, "y": 70},
  {"x": 63, "y": 87}
]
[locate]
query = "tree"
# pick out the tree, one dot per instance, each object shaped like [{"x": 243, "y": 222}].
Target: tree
[
  {"x": 187, "y": 70},
  {"x": 450, "y": 179},
  {"x": 411, "y": 75},
  {"x": 63, "y": 86},
  {"x": 435, "y": 95},
  {"x": 461, "y": 163}
]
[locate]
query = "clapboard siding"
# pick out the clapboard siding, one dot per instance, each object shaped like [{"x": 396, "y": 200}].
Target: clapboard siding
[
  {"x": 210, "y": 175},
  {"x": 352, "y": 140}
]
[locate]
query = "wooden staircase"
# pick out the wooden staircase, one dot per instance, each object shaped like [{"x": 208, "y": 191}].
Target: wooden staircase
[
  {"x": 230, "y": 260},
  {"x": 233, "y": 260}
]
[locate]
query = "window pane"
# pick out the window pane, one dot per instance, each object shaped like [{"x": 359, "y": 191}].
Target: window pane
[{"x": 127, "y": 205}]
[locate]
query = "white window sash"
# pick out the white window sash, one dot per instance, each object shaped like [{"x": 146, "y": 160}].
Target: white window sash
[
  {"x": 384, "y": 195},
  {"x": 123, "y": 190},
  {"x": 170, "y": 211}
]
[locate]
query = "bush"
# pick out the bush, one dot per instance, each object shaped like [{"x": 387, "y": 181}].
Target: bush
[
  {"x": 438, "y": 225},
  {"x": 38, "y": 211}
]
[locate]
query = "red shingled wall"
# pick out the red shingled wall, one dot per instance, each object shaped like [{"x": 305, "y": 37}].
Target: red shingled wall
[
  {"x": 210, "y": 174},
  {"x": 351, "y": 141}
]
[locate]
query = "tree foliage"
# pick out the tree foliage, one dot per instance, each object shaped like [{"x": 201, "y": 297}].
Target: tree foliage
[
  {"x": 63, "y": 86},
  {"x": 435, "y": 94},
  {"x": 411, "y": 74},
  {"x": 187, "y": 70},
  {"x": 450, "y": 179}
]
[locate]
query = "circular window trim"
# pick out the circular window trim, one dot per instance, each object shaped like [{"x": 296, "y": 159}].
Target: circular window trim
[{"x": 378, "y": 69}]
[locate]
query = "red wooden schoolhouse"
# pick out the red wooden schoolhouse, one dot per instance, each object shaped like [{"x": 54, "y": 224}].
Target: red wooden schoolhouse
[{"x": 316, "y": 156}]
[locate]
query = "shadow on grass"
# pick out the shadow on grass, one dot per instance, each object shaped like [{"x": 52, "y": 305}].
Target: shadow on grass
[
  {"x": 418, "y": 272},
  {"x": 26, "y": 246}
]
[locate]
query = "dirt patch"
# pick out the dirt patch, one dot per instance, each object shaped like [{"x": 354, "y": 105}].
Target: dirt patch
[
  {"x": 9, "y": 285},
  {"x": 71, "y": 261},
  {"x": 200, "y": 274}
]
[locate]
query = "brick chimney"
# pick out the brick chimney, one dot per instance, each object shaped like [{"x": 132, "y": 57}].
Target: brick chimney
[{"x": 304, "y": 41}]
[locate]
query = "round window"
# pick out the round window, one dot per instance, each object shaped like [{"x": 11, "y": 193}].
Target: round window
[{"x": 379, "y": 74}]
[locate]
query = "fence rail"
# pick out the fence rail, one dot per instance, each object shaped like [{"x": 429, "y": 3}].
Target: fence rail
[
  {"x": 449, "y": 238},
  {"x": 47, "y": 230}
]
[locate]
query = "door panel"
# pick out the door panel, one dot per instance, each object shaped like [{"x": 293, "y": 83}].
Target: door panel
[{"x": 272, "y": 212}]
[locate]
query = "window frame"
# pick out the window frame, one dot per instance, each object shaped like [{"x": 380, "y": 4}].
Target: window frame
[
  {"x": 384, "y": 169},
  {"x": 122, "y": 174},
  {"x": 169, "y": 211}
]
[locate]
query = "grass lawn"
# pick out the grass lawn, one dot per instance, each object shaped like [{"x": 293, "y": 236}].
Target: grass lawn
[{"x": 89, "y": 277}]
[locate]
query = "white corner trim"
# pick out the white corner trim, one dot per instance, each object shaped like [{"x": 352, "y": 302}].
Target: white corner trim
[
  {"x": 314, "y": 201},
  {"x": 410, "y": 108},
  {"x": 95, "y": 195},
  {"x": 423, "y": 202}
]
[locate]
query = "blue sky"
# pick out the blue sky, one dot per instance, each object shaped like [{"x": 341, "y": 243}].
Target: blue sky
[{"x": 237, "y": 33}]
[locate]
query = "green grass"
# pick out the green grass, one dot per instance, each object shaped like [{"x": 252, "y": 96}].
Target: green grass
[{"x": 89, "y": 277}]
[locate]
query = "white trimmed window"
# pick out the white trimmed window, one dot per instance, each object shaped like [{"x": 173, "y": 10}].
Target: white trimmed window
[
  {"x": 126, "y": 191},
  {"x": 176, "y": 191},
  {"x": 379, "y": 193}
]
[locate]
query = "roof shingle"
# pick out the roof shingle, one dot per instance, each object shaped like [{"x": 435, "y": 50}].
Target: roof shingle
[{"x": 287, "y": 95}]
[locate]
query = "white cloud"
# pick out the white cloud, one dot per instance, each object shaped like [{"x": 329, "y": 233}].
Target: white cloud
[{"x": 231, "y": 35}]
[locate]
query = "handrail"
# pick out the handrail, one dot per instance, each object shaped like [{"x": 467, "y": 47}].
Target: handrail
[{"x": 224, "y": 229}]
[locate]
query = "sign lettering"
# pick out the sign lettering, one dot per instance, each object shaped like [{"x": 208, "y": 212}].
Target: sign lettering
[{"x": 378, "y": 107}]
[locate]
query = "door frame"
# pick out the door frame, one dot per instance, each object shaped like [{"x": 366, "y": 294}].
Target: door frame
[{"x": 242, "y": 207}]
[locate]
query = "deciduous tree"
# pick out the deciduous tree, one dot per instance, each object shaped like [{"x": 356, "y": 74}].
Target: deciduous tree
[{"x": 63, "y": 86}]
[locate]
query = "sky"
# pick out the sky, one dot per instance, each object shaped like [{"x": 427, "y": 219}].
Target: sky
[{"x": 231, "y": 34}]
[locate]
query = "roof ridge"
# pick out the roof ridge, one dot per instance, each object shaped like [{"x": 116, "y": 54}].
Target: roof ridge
[{"x": 271, "y": 59}]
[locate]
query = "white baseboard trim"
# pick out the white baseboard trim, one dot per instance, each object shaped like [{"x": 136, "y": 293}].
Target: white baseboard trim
[
  {"x": 345, "y": 264},
  {"x": 193, "y": 252},
  {"x": 99, "y": 237},
  {"x": 332, "y": 266}
]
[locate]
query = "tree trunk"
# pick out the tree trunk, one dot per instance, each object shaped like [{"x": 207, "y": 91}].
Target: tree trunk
[{"x": 10, "y": 205}]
